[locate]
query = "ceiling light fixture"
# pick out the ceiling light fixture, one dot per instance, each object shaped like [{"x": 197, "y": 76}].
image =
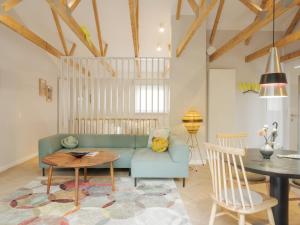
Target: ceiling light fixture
[
  {"x": 161, "y": 28},
  {"x": 158, "y": 48},
  {"x": 273, "y": 82}
]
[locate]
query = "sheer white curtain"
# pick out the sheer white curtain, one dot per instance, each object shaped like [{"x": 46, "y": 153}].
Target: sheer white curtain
[{"x": 113, "y": 95}]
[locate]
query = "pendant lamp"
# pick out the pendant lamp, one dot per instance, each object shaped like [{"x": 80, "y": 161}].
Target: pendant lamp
[{"x": 273, "y": 82}]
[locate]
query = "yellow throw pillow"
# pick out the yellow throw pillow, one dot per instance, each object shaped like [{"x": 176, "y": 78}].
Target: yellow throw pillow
[{"x": 159, "y": 144}]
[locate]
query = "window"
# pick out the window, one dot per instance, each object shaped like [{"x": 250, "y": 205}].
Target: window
[{"x": 151, "y": 99}]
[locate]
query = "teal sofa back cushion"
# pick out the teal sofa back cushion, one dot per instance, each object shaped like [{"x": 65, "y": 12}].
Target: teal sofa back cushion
[
  {"x": 106, "y": 141},
  {"x": 141, "y": 141}
]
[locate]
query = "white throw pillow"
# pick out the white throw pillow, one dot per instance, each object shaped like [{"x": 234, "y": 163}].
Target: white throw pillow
[{"x": 158, "y": 132}]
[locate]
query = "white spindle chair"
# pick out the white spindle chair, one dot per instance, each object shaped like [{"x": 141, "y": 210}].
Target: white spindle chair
[
  {"x": 238, "y": 140},
  {"x": 224, "y": 163}
]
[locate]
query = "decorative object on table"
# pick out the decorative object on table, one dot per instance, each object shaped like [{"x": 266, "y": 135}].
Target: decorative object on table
[
  {"x": 249, "y": 87},
  {"x": 192, "y": 120},
  {"x": 78, "y": 154},
  {"x": 273, "y": 82},
  {"x": 70, "y": 142},
  {"x": 268, "y": 148},
  {"x": 159, "y": 144},
  {"x": 158, "y": 133},
  {"x": 154, "y": 201}
]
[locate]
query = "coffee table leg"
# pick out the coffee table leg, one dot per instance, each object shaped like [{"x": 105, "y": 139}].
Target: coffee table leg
[
  {"x": 76, "y": 185},
  {"x": 85, "y": 174},
  {"x": 112, "y": 176},
  {"x": 49, "y": 179}
]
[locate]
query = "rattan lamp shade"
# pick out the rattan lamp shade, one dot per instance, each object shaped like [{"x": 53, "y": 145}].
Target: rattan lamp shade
[{"x": 192, "y": 121}]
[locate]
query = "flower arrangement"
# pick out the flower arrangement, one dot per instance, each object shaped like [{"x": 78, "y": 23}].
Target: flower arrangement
[{"x": 269, "y": 138}]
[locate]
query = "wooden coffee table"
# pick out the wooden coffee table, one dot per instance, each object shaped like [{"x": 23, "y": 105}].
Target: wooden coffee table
[{"x": 64, "y": 159}]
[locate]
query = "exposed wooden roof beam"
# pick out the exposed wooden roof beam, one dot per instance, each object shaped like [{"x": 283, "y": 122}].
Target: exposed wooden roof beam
[
  {"x": 290, "y": 56},
  {"x": 96, "y": 15},
  {"x": 105, "y": 49},
  {"x": 72, "y": 49},
  {"x": 280, "y": 43},
  {"x": 252, "y": 6},
  {"x": 194, "y": 27},
  {"x": 178, "y": 9},
  {"x": 14, "y": 25},
  {"x": 60, "y": 33},
  {"x": 193, "y": 6},
  {"x": 293, "y": 23},
  {"x": 257, "y": 17},
  {"x": 74, "y": 26},
  {"x": 217, "y": 19},
  {"x": 72, "y": 5},
  {"x": 252, "y": 28},
  {"x": 134, "y": 25},
  {"x": 9, "y": 4}
]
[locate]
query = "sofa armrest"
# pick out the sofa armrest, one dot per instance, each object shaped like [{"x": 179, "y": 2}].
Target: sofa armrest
[
  {"x": 178, "y": 150},
  {"x": 49, "y": 145}
]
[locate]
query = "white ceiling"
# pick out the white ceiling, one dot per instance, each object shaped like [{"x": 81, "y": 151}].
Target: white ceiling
[{"x": 115, "y": 23}]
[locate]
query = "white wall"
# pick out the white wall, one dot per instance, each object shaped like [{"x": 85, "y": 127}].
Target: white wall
[
  {"x": 188, "y": 77},
  {"x": 251, "y": 110},
  {"x": 25, "y": 117}
]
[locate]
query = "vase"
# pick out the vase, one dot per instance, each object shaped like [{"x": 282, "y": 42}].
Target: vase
[{"x": 267, "y": 150}]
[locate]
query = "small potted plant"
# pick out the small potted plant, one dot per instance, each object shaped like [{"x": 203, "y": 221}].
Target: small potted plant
[{"x": 268, "y": 148}]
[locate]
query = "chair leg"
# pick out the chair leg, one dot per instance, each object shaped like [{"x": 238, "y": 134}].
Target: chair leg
[
  {"x": 43, "y": 172},
  {"x": 242, "y": 220},
  {"x": 213, "y": 214},
  {"x": 270, "y": 216},
  {"x": 183, "y": 182}
]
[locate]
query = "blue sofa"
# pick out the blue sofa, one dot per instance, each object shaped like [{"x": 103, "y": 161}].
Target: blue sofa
[{"x": 141, "y": 161}]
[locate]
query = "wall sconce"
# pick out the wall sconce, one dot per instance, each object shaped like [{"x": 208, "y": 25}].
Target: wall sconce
[{"x": 45, "y": 90}]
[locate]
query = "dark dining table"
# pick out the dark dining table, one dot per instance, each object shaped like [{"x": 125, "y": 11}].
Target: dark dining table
[{"x": 280, "y": 170}]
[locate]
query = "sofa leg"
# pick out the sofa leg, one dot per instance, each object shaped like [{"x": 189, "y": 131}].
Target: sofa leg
[
  {"x": 43, "y": 172},
  {"x": 135, "y": 182},
  {"x": 183, "y": 182},
  {"x": 129, "y": 172}
]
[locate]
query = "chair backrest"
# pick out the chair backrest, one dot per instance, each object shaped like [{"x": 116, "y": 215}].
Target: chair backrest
[
  {"x": 235, "y": 140},
  {"x": 224, "y": 163}
]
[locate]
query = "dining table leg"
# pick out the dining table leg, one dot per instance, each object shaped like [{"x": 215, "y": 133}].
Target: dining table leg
[
  {"x": 279, "y": 189},
  {"x": 76, "y": 186}
]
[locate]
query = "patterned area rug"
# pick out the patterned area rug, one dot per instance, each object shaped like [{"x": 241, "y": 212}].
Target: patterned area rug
[{"x": 152, "y": 202}]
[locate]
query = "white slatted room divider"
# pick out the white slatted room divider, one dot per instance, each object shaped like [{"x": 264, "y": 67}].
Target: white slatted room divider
[{"x": 113, "y": 95}]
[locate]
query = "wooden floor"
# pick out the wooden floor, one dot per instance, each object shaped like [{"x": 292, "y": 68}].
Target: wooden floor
[{"x": 195, "y": 195}]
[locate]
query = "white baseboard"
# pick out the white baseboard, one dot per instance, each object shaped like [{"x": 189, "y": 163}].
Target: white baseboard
[
  {"x": 16, "y": 162},
  {"x": 197, "y": 162}
]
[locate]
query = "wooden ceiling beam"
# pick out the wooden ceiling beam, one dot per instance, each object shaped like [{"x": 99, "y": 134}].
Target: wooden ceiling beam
[
  {"x": 9, "y": 4},
  {"x": 72, "y": 50},
  {"x": 96, "y": 15},
  {"x": 178, "y": 9},
  {"x": 72, "y": 5},
  {"x": 74, "y": 26},
  {"x": 280, "y": 43},
  {"x": 134, "y": 25},
  {"x": 263, "y": 5},
  {"x": 290, "y": 56},
  {"x": 14, "y": 25},
  {"x": 193, "y": 6},
  {"x": 194, "y": 27},
  {"x": 252, "y": 6},
  {"x": 293, "y": 23},
  {"x": 216, "y": 23},
  {"x": 105, "y": 49},
  {"x": 60, "y": 33},
  {"x": 252, "y": 28}
]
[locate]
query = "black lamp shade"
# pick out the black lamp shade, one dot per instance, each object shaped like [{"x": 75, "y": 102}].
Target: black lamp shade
[{"x": 273, "y": 78}]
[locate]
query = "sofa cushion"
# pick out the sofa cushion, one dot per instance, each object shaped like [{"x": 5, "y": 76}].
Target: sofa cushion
[
  {"x": 141, "y": 141},
  {"x": 146, "y": 163},
  {"x": 106, "y": 141}
]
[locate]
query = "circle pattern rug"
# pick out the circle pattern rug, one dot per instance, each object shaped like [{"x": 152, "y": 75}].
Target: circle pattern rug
[{"x": 153, "y": 201}]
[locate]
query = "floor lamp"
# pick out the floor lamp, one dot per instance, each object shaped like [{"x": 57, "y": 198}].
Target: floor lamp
[{"x": 192, "y": 121}]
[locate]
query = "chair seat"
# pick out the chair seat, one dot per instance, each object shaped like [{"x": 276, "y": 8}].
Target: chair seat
[{"x": 260, "y": 201}]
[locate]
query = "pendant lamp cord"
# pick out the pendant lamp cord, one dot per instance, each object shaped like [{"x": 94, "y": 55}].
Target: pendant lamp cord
[{"x": 273, "y": 23}]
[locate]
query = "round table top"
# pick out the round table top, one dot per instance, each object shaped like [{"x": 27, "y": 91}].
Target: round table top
[
  {"x": 64, "y": 159},
  {"x": 280, "y": 167}
]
